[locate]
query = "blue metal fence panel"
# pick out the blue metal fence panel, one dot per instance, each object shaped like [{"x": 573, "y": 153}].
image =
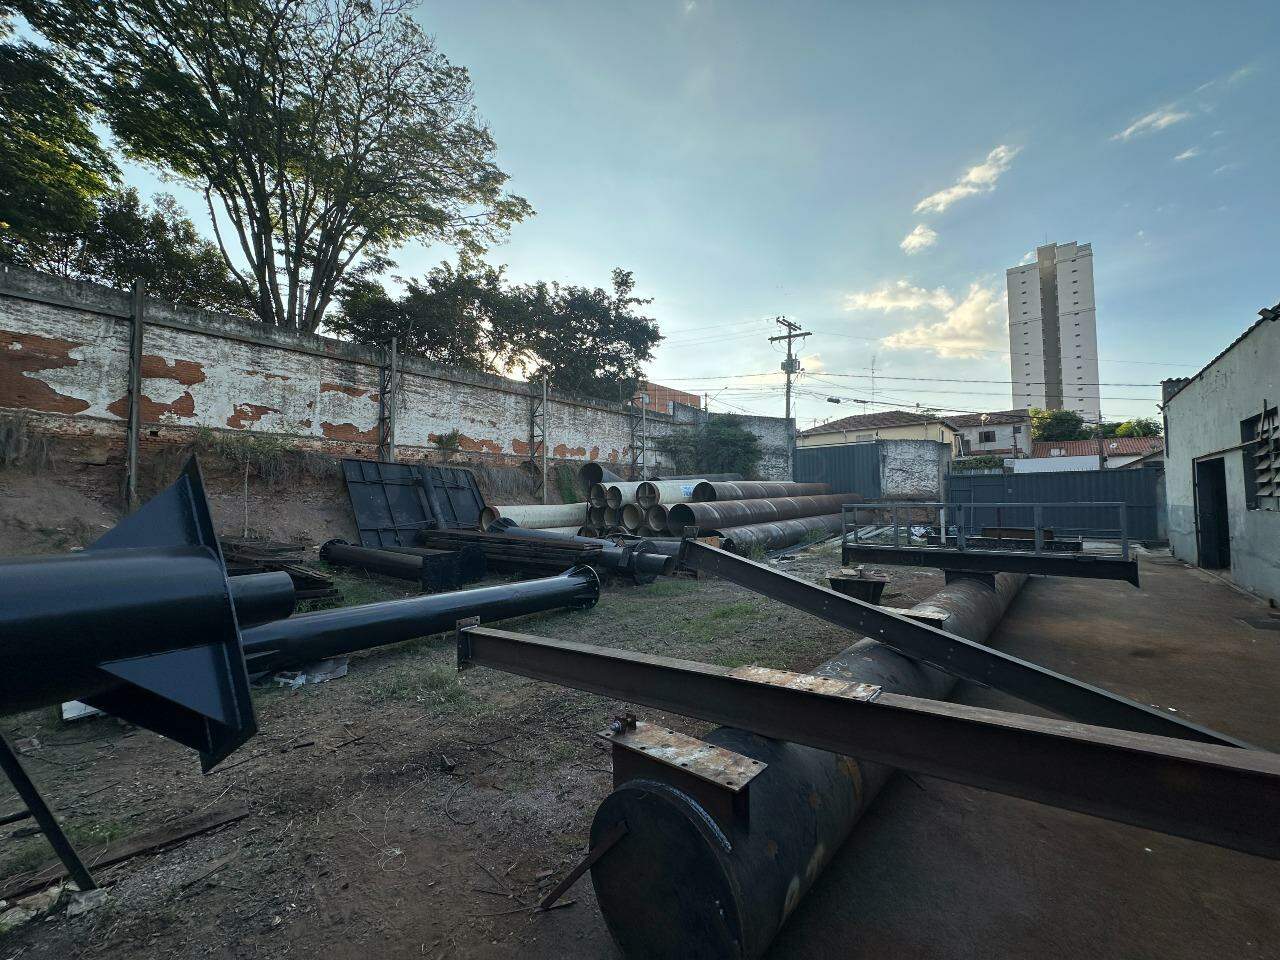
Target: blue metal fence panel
[
  {"x": 1140, "y": 490},
  {"x": 849, "y": 468}
]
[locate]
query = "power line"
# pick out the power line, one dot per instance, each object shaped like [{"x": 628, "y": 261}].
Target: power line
[{"x": 880, "y": 376}]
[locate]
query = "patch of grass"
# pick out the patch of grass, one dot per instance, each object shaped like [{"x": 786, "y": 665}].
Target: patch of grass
[
  {"x": 97, "y": 832},
  {"x": 33, "y": 854}
]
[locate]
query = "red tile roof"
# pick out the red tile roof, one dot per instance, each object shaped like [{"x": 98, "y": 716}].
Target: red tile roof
[{"x": 1111, "y": 446}]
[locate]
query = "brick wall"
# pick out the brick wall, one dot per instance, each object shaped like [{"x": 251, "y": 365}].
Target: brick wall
[{"x": 64, "y": 350}]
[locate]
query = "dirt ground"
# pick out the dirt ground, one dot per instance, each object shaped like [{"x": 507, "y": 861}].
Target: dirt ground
[{"x": 403, "y": 810}]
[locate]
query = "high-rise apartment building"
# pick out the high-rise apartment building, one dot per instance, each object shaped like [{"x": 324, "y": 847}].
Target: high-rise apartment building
[{"x": 1053, "y": 331}]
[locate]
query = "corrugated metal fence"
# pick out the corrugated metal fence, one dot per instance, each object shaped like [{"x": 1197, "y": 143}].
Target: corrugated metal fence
[
  {"x": 849, "y": 468},
  {"x": 1141, "y": 490}
]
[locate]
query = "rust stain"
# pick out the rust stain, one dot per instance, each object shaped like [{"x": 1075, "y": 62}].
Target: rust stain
[
  {"x": 349, "y": 432},
  {"x": 594, "y": 454},
  {"x": 477, "y": 446},
  {"x": 248, "y": 413},
  {"x": 186, "y": 372},
  {"x": 562, "y": 452},
  {"x": 613, "y": 456},
  {"x": 22, "y": 353},
  {"x": 350, "y": 391},
  {"x": 520, "y": 447},
  {"x": 150, "y": 411}
]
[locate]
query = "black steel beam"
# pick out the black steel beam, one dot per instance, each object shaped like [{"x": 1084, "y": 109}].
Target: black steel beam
[
  {"x": 950, "y": 653},
  {"x": 1209, "y": 793},
  {"x": 997, "y": 561}
]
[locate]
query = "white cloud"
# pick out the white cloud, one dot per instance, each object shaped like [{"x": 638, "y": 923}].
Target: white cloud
[
  {"x": 977, "y": 179},
  {"x": 900, "y": 295},
  {"x": 1188, "y": 153},
  {"x": 1226, "y": 167},
  {"x": 1153, "y": 121},
  {"x": 1028, "y": 257},
  {"x": 921, "y": 238},
  {"x": 970, "y": 328}
]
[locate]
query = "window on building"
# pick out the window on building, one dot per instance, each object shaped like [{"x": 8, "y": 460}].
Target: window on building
[
  {"x": 986, "y": 436},
  {"x": 1262, "y": 468},
  {"x": 1017, "y": 428}
]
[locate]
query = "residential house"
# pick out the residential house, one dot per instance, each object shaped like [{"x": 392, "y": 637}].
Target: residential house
[
  {"x": 1109, "y": 453},
  {"x": 887, "y": 425},
  {"x": 1002, "y": 433}
]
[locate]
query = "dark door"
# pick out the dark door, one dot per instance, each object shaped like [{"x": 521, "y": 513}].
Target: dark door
[{"x": 1211, "y": 514}]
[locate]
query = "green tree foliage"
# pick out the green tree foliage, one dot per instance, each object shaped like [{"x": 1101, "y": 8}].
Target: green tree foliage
[
  {"x": 585, "y": 340},
  {"x": 1140, "y": 427},
  {"x": 588, "y": 340},
  {"x": 719, "y": 445},
  {"x": 318, "y": 131},
  {"x": 1057, "y": 425},
  {"x": 52, "y": 167}
]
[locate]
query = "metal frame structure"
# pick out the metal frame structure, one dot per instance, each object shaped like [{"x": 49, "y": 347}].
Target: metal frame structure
[
  {"x": 1206, "y": 792},
  {"x": 948, "y": 652},
  {"x": 388, "y": 398},
  {"x": 955, "y": 550}
]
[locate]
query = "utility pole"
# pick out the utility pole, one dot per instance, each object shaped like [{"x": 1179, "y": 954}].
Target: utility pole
[{"x": 790, "y": 366}]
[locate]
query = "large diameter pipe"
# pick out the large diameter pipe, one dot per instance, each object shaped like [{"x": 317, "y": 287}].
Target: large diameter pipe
[
  {"x": 777, "y": 535},
  {"x": 619, "y": 494},
  {"x": 697, "y": 476},
  {"x": 597, "y": 496},
  {"x": 303, "y": 639},
  {"x": 656, "y": 517},
  {"x": 652, "y": 492},
  {"x": 718, "y": 514},
  {"x": 675, "y": 885},
  {"x": 388, "y": 563},
  {"x": 755, "y": 489},
  {"x": 534, "y": 516},
  {"x": 633, "y": 516},
  {"x": 591, "y": 473}
]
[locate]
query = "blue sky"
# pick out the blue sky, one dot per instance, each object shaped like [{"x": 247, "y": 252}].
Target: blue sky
[{"x": 754, "y": 159}]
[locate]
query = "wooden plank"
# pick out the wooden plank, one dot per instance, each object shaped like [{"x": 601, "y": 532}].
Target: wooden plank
[{"x": 105, "y": 855}]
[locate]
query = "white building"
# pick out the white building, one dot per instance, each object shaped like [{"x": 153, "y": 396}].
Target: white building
[{"x": 1053, "y": 331}]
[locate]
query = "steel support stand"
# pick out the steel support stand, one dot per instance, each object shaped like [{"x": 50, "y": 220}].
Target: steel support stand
[
  {"x": 134, "y": 425},
  {"x": 49, "y": 825},
  {"x": 538, "y": 436}
]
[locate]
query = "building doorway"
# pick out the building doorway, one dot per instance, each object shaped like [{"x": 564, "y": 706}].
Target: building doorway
[{"x": 1212, "y": 531}]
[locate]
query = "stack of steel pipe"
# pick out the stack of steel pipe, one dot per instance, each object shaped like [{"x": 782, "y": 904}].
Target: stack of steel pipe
[
  {"x": 590, "y": 474},
  {"x": 696, "y": 476},
  {"x": 722, "y": 514},
  {"x": 521, "y": 550},
  {"x": 756, "y": 489},
  {"x": 652, "y": 492}
]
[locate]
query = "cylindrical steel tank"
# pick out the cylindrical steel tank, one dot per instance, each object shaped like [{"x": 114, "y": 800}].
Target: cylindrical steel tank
[{"x": 678, "y": 886}]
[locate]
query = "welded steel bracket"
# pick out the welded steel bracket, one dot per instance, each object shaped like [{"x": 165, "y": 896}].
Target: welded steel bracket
[
  {"x": 718, "y": 779},
  {"x": 1088, "y": 565},
  {"x": 1204, "y": 792},
  {"x": 948, "y": 652},
  {"x": 463, "y": 641}
]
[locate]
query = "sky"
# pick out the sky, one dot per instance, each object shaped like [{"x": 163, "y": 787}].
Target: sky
[{"x": 869, "y": 170}]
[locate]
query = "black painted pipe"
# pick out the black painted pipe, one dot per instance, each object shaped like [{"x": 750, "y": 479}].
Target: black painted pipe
[
  {"x": 676, "y": 886},
  {"x": 262, "y": 597},
  {"x": 303, "y": 639},
  {"x": 755, "y": 489},
  {"x": 386, "y": 562},
  {"x": 719, "y": 514}
]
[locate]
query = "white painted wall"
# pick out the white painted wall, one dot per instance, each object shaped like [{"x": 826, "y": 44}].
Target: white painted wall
[
  {"x": 1054, "y": 464},
  {"x": 1026, "y": 336},
  {"x": 1203, "y": 419}
]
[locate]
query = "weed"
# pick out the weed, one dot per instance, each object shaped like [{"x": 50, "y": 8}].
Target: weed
[{"x": 20, "y": 446}]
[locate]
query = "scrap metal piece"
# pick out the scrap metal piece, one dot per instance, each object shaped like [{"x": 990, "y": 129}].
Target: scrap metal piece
[
  {"x": 595, "y": 853},
  {"x": 951, "y": 653},
  {"x": 717, "y": 778},
  {"x": 1214, "y": 794}
]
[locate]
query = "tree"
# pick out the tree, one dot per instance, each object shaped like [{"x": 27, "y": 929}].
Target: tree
[
  {"x": 318, "y": 131},
  {"x": 1140, "y": 427},
  {"x": 461, "y": 316},
  {"x": 589, "y": 341},
  {"x": 52, "y": 167},
  {"x": 126, "y": 239},
  {"x": 1057, "y": 425},
  {"x": 718, "y": 445},
  {"x": 584, "y": 340}
]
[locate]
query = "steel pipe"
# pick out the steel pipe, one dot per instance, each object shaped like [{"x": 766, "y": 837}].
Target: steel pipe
[
  {"x": 679, "y": 886},
  {"x": 262, "y": 597},
  {"x": 595, "y": 515},
  {"x": 388, "y": 563},
  {"x": 534, "y": 516},
  {"x": 653, "y": 492},
  {"x": 718, "y": 514},
  {"x": 779, "y": 534},
  {"x": 591, "y": 473},
  {"x": 755, "y": 489},
  {"x": 656, "y": 517},
  {"x": 309, "y": 637},
  {"x": 598, "y": 496},
  {"x": 619, "y": 494},
  {"x": 633, "y": 516},
  {"x": 714, "y": 477}
]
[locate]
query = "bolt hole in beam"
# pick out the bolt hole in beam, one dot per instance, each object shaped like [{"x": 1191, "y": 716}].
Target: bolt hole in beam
[{"x": 1207, "y": 792}]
